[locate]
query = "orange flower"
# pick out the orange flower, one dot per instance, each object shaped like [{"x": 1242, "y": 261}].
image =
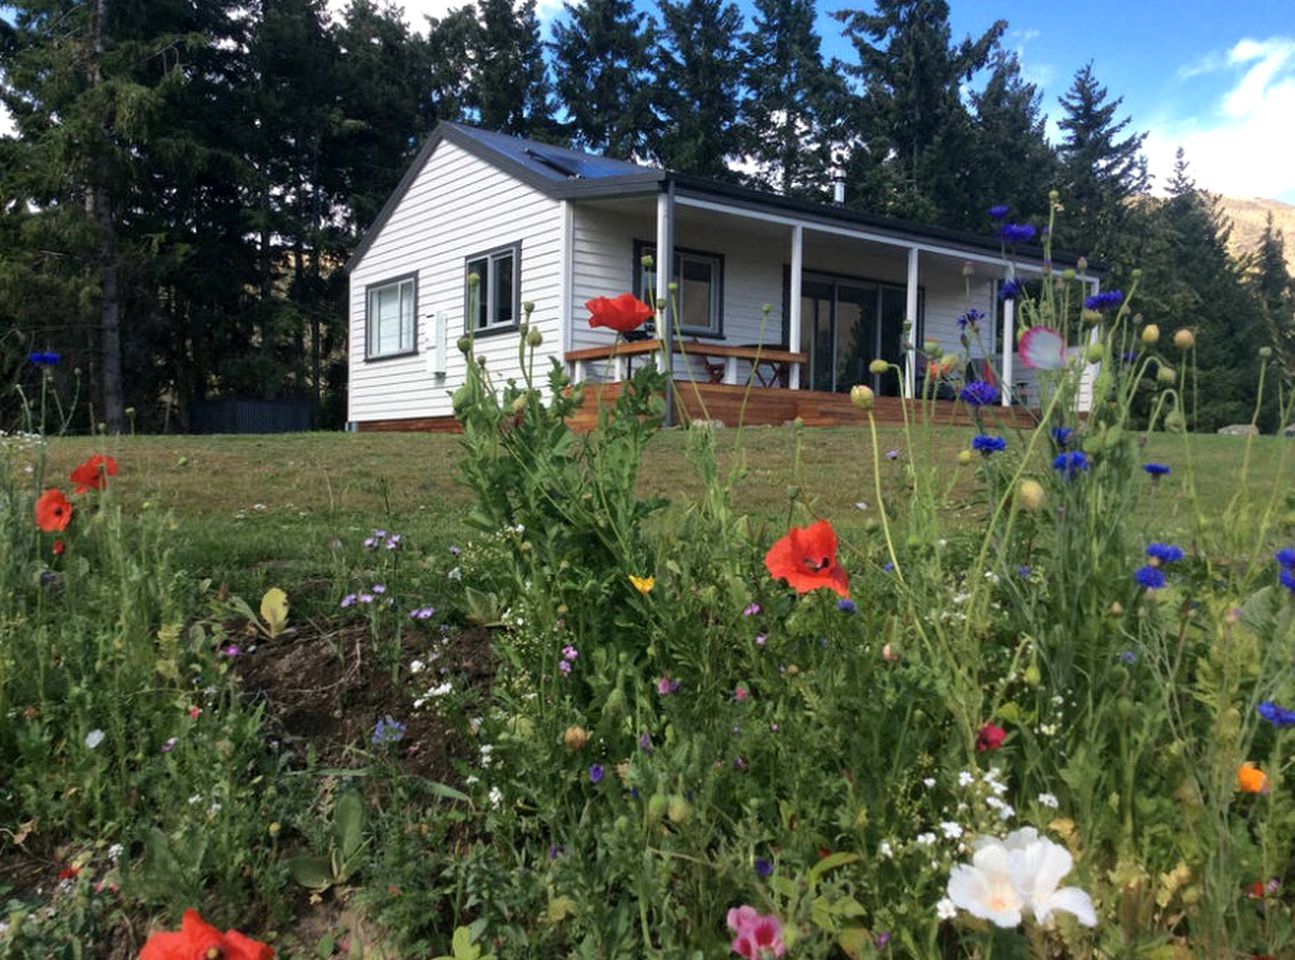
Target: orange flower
[
  {"x": 198, "y": 940},
  {"x": 1251, "y": 779},
  {"x": 806, "y": 559},
  {"x": 623, "y": 314},
  {"x": 94, "y": 473},
  {"x": 53, "y": 510}
]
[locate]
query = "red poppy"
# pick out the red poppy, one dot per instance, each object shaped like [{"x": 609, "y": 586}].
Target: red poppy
[
  {"x": 59, "y": 547},
  {"x": 1256, "y": 890},
  {"x": 623, "y": 314},
  {"x": 198, "y": 939},
  {"x": 53, "y": 510},
  {"x": 990, "y": 737},
  {"x": 94, "y": 473},
  {"x": 806, "y": 559},
  {"x": 69, "y": 873}
]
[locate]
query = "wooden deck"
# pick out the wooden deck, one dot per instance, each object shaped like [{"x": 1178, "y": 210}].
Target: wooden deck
[{"x": 776, "y": 406}]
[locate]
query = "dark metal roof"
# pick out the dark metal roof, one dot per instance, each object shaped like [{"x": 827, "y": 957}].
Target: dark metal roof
[{"x": 570, "y": 174}]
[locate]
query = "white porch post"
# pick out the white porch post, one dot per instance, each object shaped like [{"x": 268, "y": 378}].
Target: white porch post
[
  {"x": 1009, "y": 342},
  {"x": 793, "y": 326},
  {"x": 910, "y": 315},
  {"x": 664, "y": 270}
]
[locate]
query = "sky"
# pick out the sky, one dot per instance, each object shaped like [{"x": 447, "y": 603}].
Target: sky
[{"x": 1216, "y": 77}]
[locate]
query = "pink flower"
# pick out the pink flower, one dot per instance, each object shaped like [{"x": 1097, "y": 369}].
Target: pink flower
[
  {"x": 758, "y": 937},
  {"x": 741, "y": 693}
]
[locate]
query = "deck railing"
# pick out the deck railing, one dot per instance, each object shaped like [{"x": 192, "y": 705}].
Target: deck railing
[{"x": 771, "y": 365}]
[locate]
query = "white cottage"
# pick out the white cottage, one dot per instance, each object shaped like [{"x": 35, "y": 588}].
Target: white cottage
[{"x": 558, "y": 227}]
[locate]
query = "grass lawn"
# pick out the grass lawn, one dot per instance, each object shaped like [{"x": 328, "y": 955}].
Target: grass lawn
[{"x": 257, "y": 510}]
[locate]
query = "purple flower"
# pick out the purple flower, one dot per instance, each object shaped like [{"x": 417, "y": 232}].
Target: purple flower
[
  {"x": 1023, "y": 572},
  {"x": 564, "y": 667},
  {"x": 231, "y": 651},
  {"x": 347, "y": 601},
  {"x": 380, "y": 534},
  {"x": 1286, "y": 557},
  {"x": 596, "y": 773},
  {"x": 970, "y": 319},
  {"x": 888, "y": 567},
  {"x": 761, "y": 639},
  {"x": 882, "y": 940},
  {"x": 1156, "y": 470},
  {"x": 1106, "y": 299},
  {"x": 892, "y": 454},
  {"x": 665, "y": 686},
  {"x": 422, "y": 613},
  {"x": 1010, "y": 289},
  {"x": 394, "y": 541},
  {"x": 846, "y": 605},
  {"x": 1014, "y": 233},
  {"x": 1153, "y": 578},
  {"x": 364, "y": 598},
  {"x": 1278, "y": 716},
  {"x": 999, "y": 211},
  {"x": 387, "y": 731},
  {"x": 763, "y": 867},
  {"x": 978, "y": 393},
  {"x": 569, "y": 653},
  {"x": 44, "y": 358},
  {"x": 739, "y": 763},
  {"x": 555, "y": 851},
  {"x": 751, "y": 610},
  {"x": 1165, "y": 552},
  {"x": 455, "y": 551},
  {"x": 1062, "y": 435},
  {"x": 1128, "y": 658},
  {"x": 645, "y": 742},
  {"x": 379, "y": 588},
  {"x": 370, "y": 543},
  {"x": 169, "y": 744},
  {"x": 1071, "y": 464},
  {"x": 1287, "y": 579},
  {"x": 986, "y": 444}
]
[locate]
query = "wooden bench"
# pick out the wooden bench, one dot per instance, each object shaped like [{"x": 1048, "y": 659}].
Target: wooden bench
[{"x": 772, "y": 364}]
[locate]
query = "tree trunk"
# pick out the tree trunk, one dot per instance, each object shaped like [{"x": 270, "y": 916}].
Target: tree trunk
[{"x": 100, "y": 208}]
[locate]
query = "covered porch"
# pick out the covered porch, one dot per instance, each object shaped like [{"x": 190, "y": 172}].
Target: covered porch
[{"x": 795, "y": 303}]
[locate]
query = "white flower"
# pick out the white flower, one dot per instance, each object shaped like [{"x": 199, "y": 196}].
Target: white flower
[
  {"x": 926, "y": 839},
  {"x": 94, "y": 738},
  {"x": 966, "y": 778},
  {"x": 455, "y": 574},
  {"x": 928, "y": 782},
  {"x": 885, "y": 850},
  {"x": 946, "y": 909},
  {"x": 1018, "y": 874},
  {"x": 114, "y": 852},
  {"x": 416, "y": 666},
  {"x": 951, "y": 829},
  {"x": 195, "y": 799},
  {"x": 496, "y": 796},
  {"x": 470, "y": 780},
  {"x": 1048, "y": 800}
]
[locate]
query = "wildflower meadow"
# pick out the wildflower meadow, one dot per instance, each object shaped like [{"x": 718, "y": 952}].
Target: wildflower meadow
[{"x": 1028, "y": 695}]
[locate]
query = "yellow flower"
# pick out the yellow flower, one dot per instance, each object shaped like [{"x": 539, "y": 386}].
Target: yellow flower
[{"x": 643, "y": 585}]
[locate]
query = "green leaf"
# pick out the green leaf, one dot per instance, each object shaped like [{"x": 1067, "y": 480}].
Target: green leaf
[
  {"x": 830, "y": 862},
  {"x": 274, "y": 610},
  {"x": 313, "y": 873},
  {"x": 448, "y": 792},
  {"x": 559, "y": 909},
  {"x": 348, "y": 824},
  {"x": 855, "y": 942}
]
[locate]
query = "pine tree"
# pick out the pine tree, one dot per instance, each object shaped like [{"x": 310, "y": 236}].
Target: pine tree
[
  {"x": 915, "y": 138},
  {"x": 1014, "y": 163},
  {"x": 789, "y": 123},
  {"x": 1102, "y": 170},
  {"x": 511, "y": 91},
  {"x": 696, "y": 97},
  {"x": 600, "y": 58},
  {"x": 1274, "y": 289}
]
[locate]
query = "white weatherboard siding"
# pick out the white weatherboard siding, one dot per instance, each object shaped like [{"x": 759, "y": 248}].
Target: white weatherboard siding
[{"x": 457, "y": 206}]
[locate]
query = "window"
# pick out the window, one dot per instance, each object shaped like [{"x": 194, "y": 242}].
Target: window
[
  {"x": 495, "y": 304},
  {"x": 391, "y": 329},
  {"x": 700, "y": 277}
]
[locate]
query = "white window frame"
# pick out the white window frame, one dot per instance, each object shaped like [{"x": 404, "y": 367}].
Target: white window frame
[
  {"x": 715, "y": 328},
  {"x": 407, "y": 336},
  {"x": 491, "y": 258}
]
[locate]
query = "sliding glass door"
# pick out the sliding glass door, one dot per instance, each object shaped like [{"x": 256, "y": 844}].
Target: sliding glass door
[{"x": 845, "y": 324}]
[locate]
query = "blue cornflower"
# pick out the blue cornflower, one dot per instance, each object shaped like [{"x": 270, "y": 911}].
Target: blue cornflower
[
  {"x": 1287, "y": 579},
  {"x": 986, "y": 444},
  {"x": 1071, "y": 463},
  {"x": 888, "y": 567},
  {"x": 388, "y": 731},
  {"x": 1010, "y": 289},
  {"x": 999, "y": 211},
  {"x": 1128, "y": 658},
  {"x": 970, "y": 319},
  {"x": 978, "y": 393},
  {"x": 596, "y": 773},
  {"x": 1131, "y": 356},
  {"x": 1286, "y": 557},
  {"x": 1156, "y": 470},
  {"x": 44, "y": 358},
  {"x": 645, "y": 742},
  {"x": 1153, "y": 578},
  {"x": 1023, "y": 571},
  {"x": 1104, "y": 300},
  {"x": 1164, "y": 552},
  {"x": 1062, "y": 435},
  {"x": 846, "y": 605},
  {"x": 1277, "y": 716},
  {"x": 1017, "y": 232},
  {"x": 763, "y": 867}
]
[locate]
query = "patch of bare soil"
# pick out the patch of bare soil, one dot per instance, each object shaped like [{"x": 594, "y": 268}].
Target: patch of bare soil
[{"x": 326, "y": 686}]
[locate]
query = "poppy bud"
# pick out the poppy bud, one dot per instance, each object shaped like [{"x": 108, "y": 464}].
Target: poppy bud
[
  {"x": 1068, "y": 273},
  {"x": 1117, "y": 609},
  {"x": 534, "y": 338},
  {"x": 575, "y": 737},
  {"x": 932, "y": 348},
  {"x": 964, "y": 457},
  {"x": 1166, "y": 374},
  {"x": 474, "y": 280},
  {"x": 1150, "y": 334},
  {"x": 1031, "y": 494},
  {"x": 679, "y": 810},
  {"x": 647, "y": 261},
  {"x": 1054, "y": 195},
  {"x": 862, "y": 396},
  {"x": 1184, "y": 339},
  {"x": 464, "y": 344},
  {"x": 1265, "y": 352},
  {"x": 657, "y": 806},
  {"x": 1136, "y": 273},
  {"x": 878, "y": 366},
  {"x": 1095, "y": 353},
  {"x": 1091, "y": 317},
  {"x": 528, "y": 307},
  {"x": 1082, "y": 264},
  {"x": 519, "y": 403}
]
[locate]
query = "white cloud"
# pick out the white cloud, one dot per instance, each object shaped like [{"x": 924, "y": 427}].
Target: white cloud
[
  {"x": 1039, "y": 74},
  {"x": 416, "y": 12},
  {"x": 1241, "y": 144},
  {"x": 6, "y": 122}
]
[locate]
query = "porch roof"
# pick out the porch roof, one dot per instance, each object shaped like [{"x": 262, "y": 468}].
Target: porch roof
[{"x": 572, "y": 174}]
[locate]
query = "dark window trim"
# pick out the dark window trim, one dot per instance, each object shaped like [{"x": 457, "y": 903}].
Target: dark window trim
[
  {"x": 515, "y": 248},
  {"x": 918, "y": 334},
  {"x": 636, "y": 271},
  {"x": 369, "y": 356}
]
